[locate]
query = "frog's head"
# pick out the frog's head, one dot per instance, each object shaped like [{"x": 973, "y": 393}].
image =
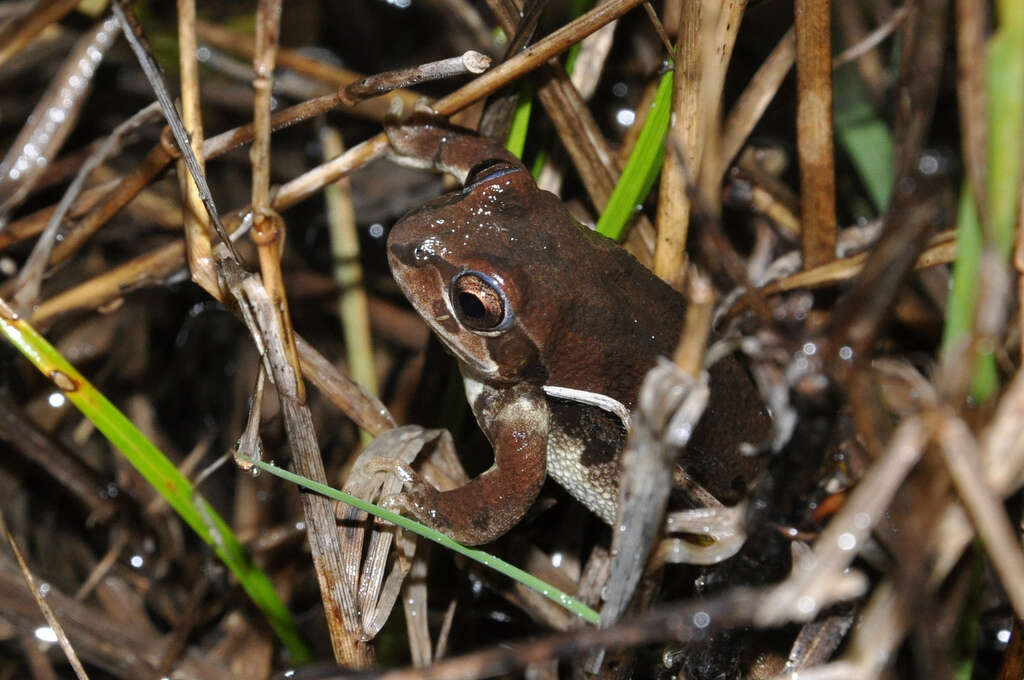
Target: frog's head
[{"x": 460, "y": 260}]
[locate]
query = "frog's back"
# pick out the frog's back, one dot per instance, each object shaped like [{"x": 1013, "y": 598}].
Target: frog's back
[
  {"x": 612, "y": 317},
  {"x": 616, "y": 319}
]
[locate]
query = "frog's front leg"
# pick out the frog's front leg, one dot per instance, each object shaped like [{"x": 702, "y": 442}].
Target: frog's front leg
[{"x": 515, "y": 421}]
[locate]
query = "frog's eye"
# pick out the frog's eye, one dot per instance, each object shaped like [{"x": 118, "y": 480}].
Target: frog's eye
[
  {"x": 488, "y": 170},
  {"x": 479, "y": 302}
]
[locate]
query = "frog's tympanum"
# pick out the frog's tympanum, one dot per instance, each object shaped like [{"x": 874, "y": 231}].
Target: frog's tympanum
[{"x": 553, "y": 327}]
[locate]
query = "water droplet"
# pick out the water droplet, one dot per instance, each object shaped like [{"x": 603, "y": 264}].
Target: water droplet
[
  {"x": 701, "y": 619},
  {"x": 846, "y": 541},
  {"x": 45, "y": 634}
]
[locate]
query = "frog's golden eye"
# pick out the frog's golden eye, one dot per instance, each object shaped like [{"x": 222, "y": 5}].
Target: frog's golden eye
[
  {"x": 488, "y": 170},
  {"x": 479, "y": 302}
]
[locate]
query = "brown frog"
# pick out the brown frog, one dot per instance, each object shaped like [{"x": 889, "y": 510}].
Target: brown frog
[{"x": 554, "y": 327}]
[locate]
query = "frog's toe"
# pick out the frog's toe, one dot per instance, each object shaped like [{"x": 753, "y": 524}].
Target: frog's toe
[{"x": 390, "y": 466}]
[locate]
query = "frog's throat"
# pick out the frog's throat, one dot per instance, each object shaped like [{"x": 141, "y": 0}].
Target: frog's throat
[{"x": 601, "y": 401}]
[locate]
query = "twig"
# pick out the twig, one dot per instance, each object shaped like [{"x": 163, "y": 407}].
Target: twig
[
  {"x": 684, "y": 138},
  {"x": 382, "y": 83},
  {"x": 659, "y": 29},
  {"x": 700, "y": 296},
  {"x": 751, "y": 105},
  {"x": 195, "y": 221},
  {"x": 53, "y": 117},
  {"x": 44, "y": 606},
  {"x": 872, "y": 39},
  {"x": 814, "y": 582},
  {"x": 336, "y": 76},
  {"x": 814, "y": 131},
  {"x": 965, "y": 467},
  {"x": 140, "y": 46},
  {"x": 19, "y": 31},
  {"x": 31, "y": 276},
  {"x": 348, "y": 271}
]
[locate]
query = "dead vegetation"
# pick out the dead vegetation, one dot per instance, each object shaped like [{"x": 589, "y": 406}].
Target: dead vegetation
[{"x": 824, "y": 165}]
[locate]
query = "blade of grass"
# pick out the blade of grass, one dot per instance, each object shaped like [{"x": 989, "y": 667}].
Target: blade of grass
[
  {"x": 643, "y": 166},
  {"x": 1006, "y": 131},
  {"x": 516, "y": 141},
  {"x": 503, "y": 567},
  {"x": 863, "y": 136},
  {"x": 160, "y": 472},
  {"x": 1005, "y": 76},
  {"x": 962, "y": 296}
]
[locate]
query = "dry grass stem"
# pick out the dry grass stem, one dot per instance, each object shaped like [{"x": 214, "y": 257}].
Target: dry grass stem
[
  {"x": 864, "y": 45},
  {"x": 1001, "y": 541},
  {"x": 684, "y": 137},
  {"x": 53, "y": 118},
  {"x": 44, "y": 606},
  {"x": 832, "y": 542},
  {"x": 590, "y": 152},
  {"x": 971, "y": 20},
  {"x": 195, "y": 221},
  {"x": 382, "y": 83},
  {"x": 273, "y": 325},
  {"x": 348, "y": 272},
  {"x": 756, "y": 97},
  {"x": 659, "y": 28},
  {"x": 814, "y": 131},
  {"x": 29, "y": 279},
  {"x": 20, "y": 31},
  {"x": 819, "y": 579},
  {"x": 868, "y": 62},
  {"x": 700, "y": 295},
  {"x": 941, "y": 249},
  {"x": 590, "y": 62},
  {"x": 339, "y": 77}
]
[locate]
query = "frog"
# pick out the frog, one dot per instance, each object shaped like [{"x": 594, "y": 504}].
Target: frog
[{"x": 553, "y": 327}]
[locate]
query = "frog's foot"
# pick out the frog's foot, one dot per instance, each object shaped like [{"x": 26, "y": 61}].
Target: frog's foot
[
  {"x": 717, "y": 532},
  {"x": 417, "y": 494},
  {"x": 397, "y": 447}
]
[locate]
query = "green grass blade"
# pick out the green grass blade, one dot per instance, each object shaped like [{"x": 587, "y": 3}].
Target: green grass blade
[
  {"x": 511, "y": 571},
  {"x": 864, "y": 137},
  {"x": 963, "y": 295},
  {"x": 1005, "y": 99},
  {"x": 516, "y": 141},
  {"x": 160, "y": 472},
  {"x": 643, "y": 166},
  {"x": 1005, "y": 133}
]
